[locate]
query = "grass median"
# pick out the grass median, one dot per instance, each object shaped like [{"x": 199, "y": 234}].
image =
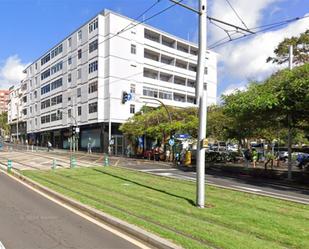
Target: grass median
[{"x": 165, "y": 207}]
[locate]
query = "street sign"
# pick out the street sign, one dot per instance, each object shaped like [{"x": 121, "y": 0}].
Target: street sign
[
  {"x": 171, "y": 142},
  {"x": 77, "y": 129},
  {"x": 129, "y": 96},
  {"x": 111, "y": 142},
  {"x": 182, "y": 136}
]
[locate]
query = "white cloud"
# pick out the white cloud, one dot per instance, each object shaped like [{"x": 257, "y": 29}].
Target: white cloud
[
  {"x": 247, "y": 59},
  {"x": 251, "y": 13},
  {"x": 234, "y": 87},
  {"x": 243, "y": 59},
  {"x": 11, "y": 72}
]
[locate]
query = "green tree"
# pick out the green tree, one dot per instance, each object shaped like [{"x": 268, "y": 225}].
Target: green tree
[{"x": 300, "y": 50}]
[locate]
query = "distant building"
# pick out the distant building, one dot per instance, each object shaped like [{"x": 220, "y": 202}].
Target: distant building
[
  {"x": 16, "y": 118},
  {"x": 4, "y": 98},
  {"x": 81, "y": 81}
]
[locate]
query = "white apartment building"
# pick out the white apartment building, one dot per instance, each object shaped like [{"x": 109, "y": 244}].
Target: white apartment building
[{"x": 81, "y": 80}]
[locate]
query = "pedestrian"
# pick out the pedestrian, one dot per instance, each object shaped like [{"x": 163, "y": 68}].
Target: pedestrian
[
  {"x": 254, "y": 157},
  {"x": 247, "y": 157},
  {"x": 89, "y": 145},
  {"x": 49, "y": 146}
]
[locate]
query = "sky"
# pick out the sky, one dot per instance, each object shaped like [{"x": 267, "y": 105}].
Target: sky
[{"x": 28, "y": 28}]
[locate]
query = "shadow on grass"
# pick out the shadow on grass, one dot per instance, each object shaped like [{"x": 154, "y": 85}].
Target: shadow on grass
[{"x": 191, "y": 202}]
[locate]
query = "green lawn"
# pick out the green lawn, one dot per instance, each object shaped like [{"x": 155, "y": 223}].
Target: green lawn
[{"x": 166, "y": 207}]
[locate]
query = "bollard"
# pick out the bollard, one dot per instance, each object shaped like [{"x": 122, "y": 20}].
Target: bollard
[
  {"x": 54, "y": 164},
  {"x": 72, "y": 162},
  {"x": 9, "y": 165},
  {"x": 106, "y": 160},
  {"x": 32, "y": 148}
]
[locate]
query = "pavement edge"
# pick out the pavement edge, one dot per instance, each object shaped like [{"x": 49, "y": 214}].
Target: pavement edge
[{"x": 145, "y": 236}]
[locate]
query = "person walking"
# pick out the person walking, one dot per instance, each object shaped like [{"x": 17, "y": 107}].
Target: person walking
[
  {"x": 254, "y": 157},
  {"x": 89, "y": 149},
  {"x": 49, "y": 146}
]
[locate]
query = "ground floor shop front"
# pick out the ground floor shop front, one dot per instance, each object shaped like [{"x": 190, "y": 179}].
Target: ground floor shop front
[{"x": 90, "y": 136}]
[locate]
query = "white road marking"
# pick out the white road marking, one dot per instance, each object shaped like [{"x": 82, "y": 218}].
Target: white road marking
[
  {"x": 250, "y": 189},
  {"x": 105, "y": 227},
  {"x": 1, "y": 246},
  {"x": 154, "y": 170},
  {"x": 164, "y": 174}
]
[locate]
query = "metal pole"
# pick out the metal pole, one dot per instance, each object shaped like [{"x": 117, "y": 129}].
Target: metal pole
[
  {"x": 289, "y": 123},
  {"x": 201, "y": 101},
  {"x": 17, "y": 138}
]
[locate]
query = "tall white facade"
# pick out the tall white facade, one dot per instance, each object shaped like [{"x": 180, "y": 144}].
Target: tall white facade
[{"x": 80, "y": 81}]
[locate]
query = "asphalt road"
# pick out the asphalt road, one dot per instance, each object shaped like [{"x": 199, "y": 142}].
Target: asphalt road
[
  {"x": 30, "y": 221},
  {"x": 240, "y": 182}
]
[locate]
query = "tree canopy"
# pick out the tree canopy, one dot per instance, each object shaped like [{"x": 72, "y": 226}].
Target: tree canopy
[{"x": 300, "y": 50}]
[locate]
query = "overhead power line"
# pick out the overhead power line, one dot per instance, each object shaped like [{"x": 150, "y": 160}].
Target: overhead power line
[
  {"x": 266, "y": 27},
  {"x": 229, "y": 3}
]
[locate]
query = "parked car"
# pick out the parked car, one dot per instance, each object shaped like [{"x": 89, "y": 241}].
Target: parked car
[{"x": 283, "y": 155}]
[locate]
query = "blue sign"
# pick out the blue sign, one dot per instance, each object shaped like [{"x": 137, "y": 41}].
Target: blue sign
[
  {"x": 129, "y": 96},
  {"x": 171, "y": 142},
  {"x": 182, "y": 136}
]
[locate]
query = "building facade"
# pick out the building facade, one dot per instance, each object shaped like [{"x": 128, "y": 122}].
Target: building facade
[
  {"x": 4, "y": 98},
  {"x": 80, "y": 82}
]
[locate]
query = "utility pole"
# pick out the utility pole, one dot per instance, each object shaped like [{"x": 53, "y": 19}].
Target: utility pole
[
  {"x": 290, "y": 123},
  {"x": 201, "y": 101}
]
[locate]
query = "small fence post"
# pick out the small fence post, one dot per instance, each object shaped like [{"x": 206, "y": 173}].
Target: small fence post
[
  {"x": 106, "y": 160},
  {"x": 9, "y": 168},
  {"x": 72, "y": 162},
  {"x": 54, "y": 164}
]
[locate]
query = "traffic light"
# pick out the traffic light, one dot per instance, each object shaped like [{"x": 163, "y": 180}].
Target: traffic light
[
  {"x": 73, "y": 130},
  {"x": 125, "y": 96}
]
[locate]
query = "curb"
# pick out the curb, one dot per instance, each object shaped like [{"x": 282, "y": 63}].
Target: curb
[{"x": 144, "y": 236}]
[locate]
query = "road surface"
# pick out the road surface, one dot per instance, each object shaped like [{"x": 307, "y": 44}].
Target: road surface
[{"x": 30, "y": 221}]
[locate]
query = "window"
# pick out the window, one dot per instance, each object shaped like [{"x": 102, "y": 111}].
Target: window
[
  {"x": 35, "y": 94},
  {"x": 132, "y": 88},
  {"x": 45, "y": 104},
  {"x": 133, "y": 49},
  {"x": 55, "y": 84},
  {"x": 93, "y": 107},
  {"x": 36, "y": 121},
  {"x": 93, "y": 66},
  {"x": 30, "y": 83},
  {"x": 69, "y": 60},
  {"x": 79, "y": 92},
  {"x": 36, "y": 66},
  {"x": 69, "y": 113},
  {"x": 79, "y": 73},
  {"x": 151, "y": 92},
  {"x": 56, "y": 51},
  {"x": 45, "y": 59},
  {"x": 36, "y": 80},
  {"x": 69, "y": 77},
  {"x": 55, "y": 116},
  {"x": 45, "y": 74},
  {"x": 36, "y": 108},
  {"x": 93, "y": 87},
  {"x": 165, "y": 95},
  {"x": 56, "y": 68},
  {"x": 93, "y": 25},
  {"x": 45, "y": 89},
  {"x": 30, "y": 109},
  {"x": 79, "y": 110},
  {"x": 205, "y": 70},
  {"x": 93, "y": 46},
  {"x": 132, "y": 109},
  {"x": 79, "y": 54},
  {"x": 80, "y": 35},
  {"x": 70, "y": 42}
]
